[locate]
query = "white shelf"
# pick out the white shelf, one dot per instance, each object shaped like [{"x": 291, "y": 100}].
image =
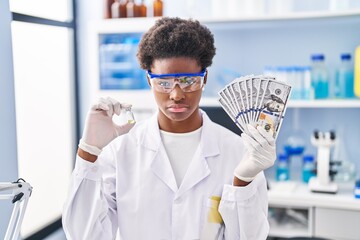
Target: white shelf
[
  {"x": 132, "y": 25},
  {"x": 225, "y": 19},
  {"x": 287, "y": 16},
  {"x": 336, "y": 103},
  {"x": 353, "y": 103}
]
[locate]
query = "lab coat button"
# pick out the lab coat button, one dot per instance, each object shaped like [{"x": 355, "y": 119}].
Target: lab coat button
[{"x": 177, "y": 201}]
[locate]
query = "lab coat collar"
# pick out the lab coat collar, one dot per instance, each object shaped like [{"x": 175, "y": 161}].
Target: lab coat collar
[{"x": 198, "y": 168}]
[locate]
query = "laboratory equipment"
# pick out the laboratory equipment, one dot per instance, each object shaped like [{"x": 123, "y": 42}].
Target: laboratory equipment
[
  {"x": 344, "y": 81},
  {"x": 322, "y": 182},
  {"x": 20, "y": 194},
  {"x": 129, "y": 115},
  {"x": 308, "y": 169},
  {"x": 319, "y": 77},
  {"x": 282, "y": 170}
]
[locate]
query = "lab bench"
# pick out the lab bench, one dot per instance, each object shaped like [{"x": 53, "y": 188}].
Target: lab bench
[{"x": 295, "y": 211}]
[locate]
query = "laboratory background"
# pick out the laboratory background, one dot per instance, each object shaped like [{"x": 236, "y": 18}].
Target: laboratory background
[{"x": 58, "y": 57}]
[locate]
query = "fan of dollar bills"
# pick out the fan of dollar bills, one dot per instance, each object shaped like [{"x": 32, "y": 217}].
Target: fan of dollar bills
[{"x": 256, "y": 100}]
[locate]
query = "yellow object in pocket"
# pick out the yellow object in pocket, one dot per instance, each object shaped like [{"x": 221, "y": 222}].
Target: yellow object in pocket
[
  {"x": 214, "y": 215},
  {"x": 357, "y": 72}
]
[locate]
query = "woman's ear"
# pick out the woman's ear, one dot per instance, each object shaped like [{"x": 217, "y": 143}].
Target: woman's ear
[
  {"x": 205, "y": 80},
  {"x": 148, "y": 80}
]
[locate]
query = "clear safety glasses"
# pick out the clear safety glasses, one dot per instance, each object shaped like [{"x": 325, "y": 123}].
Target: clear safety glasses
[{"x": 188, "y": 82}]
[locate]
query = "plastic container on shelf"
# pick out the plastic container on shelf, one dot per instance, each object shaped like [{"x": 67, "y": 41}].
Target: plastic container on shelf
[
  {"x": 319, "y": 77},
  {"x": 344, "y": 80},
  {"x": 282, "y": 169},
  {"x": 308, "y": 168}
]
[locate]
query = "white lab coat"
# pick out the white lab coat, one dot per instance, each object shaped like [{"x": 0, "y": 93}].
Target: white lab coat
[{"x": 132, "y": 187}]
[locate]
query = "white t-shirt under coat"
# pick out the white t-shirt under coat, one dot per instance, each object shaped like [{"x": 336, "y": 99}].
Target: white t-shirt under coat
[{"x": 180, "y": 148}]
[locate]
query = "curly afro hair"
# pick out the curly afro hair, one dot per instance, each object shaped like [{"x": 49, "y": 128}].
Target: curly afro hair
[{"x": 175, "y": 37}]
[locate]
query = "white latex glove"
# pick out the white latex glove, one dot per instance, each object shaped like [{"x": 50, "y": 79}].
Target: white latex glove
[
  {"x": 260, "y": 153},
  {"x": 100, "y": 129}
]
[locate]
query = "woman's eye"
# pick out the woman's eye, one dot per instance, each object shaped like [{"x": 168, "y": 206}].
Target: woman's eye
[
  {"x": 164, "y": 83},
  {"x": 189, "y": 80}
]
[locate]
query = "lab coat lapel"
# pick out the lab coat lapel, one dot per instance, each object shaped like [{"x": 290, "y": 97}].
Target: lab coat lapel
[
  {"x": 199, "y": 168},
  {"x": 160, "y": 164},
  {"x": 197, "y": 171}
]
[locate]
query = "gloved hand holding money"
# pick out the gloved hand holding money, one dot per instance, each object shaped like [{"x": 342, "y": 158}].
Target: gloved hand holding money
[{"x": 257, "y": 106}]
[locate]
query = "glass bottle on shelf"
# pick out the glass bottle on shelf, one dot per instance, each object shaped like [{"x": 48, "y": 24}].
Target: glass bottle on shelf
[
  {"x": 308, "y": 168},
  {"x": 344, "y": 81},
  {"x": 141, "y": 9},
  {"x": 282, "y": 169},
  {"x": 118, "y": 9},
  {"x": 158, "y": 8},
  {"x": 319, "y": 77},
  {"x": 131, "y": 9},
  {"x": 107, "y": 8}
]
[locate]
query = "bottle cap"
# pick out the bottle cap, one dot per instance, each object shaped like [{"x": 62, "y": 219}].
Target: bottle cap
[
  {"x": 357, "y": 183},
  {"x": 318, "y": 57},
  {"x": 345, "y": 56},
  {"x": 308, "y": 158},
  {"x": 282, "y": 158}
]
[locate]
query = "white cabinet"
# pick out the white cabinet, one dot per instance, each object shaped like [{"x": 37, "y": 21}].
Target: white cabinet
[
  {"x": 294, "y": 211},
  {"x": 337, "y": 223}
]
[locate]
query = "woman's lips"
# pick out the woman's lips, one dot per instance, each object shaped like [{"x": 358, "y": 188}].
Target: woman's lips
[{"x": 178, "y": 108}]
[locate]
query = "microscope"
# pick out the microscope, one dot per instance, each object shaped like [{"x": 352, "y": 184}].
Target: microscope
[
  {"x": 322, "y": 182},
  {"x": 19, "y": 193}
]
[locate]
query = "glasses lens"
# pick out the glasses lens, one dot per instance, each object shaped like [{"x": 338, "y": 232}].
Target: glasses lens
[
  {"x": 190, "y": 84},
  {"x": 163, "y": 84}
]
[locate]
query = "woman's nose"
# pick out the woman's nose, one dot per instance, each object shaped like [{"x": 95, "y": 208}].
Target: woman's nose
[{"x": 177, "y": 93}]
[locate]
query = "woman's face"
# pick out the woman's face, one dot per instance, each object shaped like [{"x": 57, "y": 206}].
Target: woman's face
[{"x": 178, "y": 110}]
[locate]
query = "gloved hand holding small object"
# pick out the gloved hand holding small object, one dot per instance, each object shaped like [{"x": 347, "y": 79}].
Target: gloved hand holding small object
[
  {"x": 100, "y": 128},
  {"x": 260, "y": 153}
]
